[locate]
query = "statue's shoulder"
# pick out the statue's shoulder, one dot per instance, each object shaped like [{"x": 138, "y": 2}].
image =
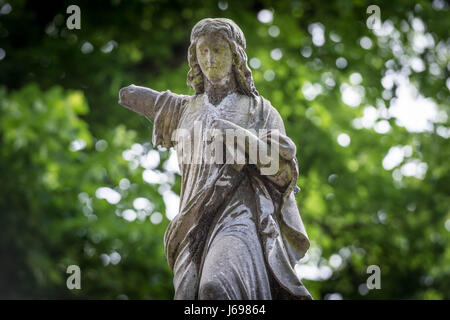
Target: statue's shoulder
[
  {"x": 168, "y": 95},
  {"x": 188, "y": 98},
  {"x": 182, "y": 100},
  {"x": 193, "y": 101},
  {"x": 268, "y": 110},
  {"x": 264, "y": 104}
]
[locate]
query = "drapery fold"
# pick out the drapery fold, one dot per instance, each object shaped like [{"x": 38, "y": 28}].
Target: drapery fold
[{"x": 280, "y": 228}]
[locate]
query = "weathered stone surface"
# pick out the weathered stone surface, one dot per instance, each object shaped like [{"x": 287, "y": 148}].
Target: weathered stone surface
[{"x": 238, "y": 234}]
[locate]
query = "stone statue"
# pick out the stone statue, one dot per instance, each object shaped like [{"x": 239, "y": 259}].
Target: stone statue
[{"x": 238, "y": 234}]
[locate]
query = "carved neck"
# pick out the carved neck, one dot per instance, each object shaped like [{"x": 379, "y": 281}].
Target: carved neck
[{"x": 217, "y": 91}]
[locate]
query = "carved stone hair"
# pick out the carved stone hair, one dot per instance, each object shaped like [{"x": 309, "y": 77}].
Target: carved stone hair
[{"x": 235, "y": 38}]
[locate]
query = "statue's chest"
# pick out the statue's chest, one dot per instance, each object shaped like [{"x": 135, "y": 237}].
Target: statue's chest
[{"x": 199, "y": 112}]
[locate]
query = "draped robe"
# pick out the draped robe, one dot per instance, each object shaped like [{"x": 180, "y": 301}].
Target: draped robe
[{"x": 238, "y": 235}]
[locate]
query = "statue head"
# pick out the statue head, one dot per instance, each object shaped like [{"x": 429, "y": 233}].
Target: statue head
[{"x": 217, "y": 50}]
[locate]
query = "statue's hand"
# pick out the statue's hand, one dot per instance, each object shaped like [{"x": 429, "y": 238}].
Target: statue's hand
[
  {"x": 225, "y": 129},
  {"x": 221, "y": 124},
  {"x": 228, "y": 128}
]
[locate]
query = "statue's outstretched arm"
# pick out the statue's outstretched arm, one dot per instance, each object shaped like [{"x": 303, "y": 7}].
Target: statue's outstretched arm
[{"x": 139, "y": 99}]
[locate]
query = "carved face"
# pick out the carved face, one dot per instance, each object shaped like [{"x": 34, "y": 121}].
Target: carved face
[{"x": 214, "y": 57}]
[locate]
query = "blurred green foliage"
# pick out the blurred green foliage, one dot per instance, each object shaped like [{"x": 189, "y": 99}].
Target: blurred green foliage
[{"x": 63, "y": 136}]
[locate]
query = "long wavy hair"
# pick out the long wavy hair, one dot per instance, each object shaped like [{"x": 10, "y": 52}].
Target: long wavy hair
[{"x": 235, "y": 38}]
